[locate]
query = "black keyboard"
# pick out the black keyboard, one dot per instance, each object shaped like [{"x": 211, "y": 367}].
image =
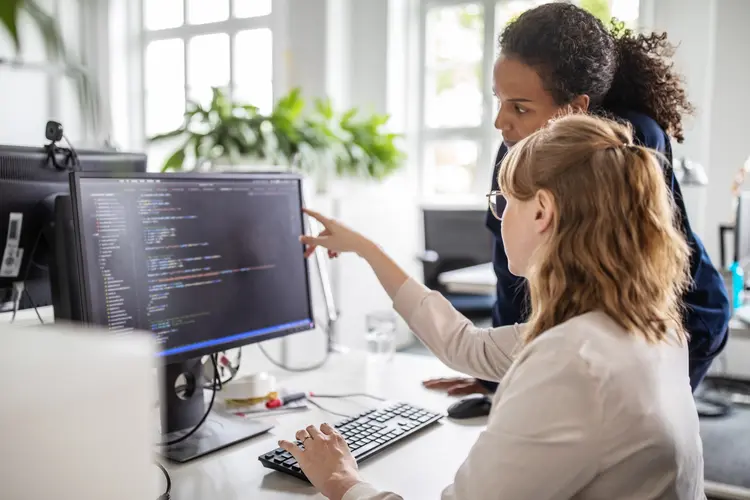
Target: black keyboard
[{"x": 367, "y": 434}]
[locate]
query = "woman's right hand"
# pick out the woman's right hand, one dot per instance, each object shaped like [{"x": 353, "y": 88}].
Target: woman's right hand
[{"x": 335, "y": 236}]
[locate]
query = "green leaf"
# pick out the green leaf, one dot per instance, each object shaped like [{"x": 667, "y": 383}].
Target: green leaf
[
  {"x": 175, "y": 161},
  {"x": 161, "y": 137},
  {"x": 47, "y": 27},
  {"x": 9, "y": 19}
]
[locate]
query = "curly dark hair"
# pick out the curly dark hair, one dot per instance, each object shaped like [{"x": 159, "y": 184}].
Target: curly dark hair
[{"x": 575, "y": 54}]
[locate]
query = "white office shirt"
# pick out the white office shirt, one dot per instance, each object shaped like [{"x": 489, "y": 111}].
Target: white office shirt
[{"x": 584, "y": 411}]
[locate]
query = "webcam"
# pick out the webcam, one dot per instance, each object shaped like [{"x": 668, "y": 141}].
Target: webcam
[{"x": 53, "y": 131}]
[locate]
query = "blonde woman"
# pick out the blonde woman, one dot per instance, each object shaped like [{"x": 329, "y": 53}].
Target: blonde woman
[{"x": 594, "y": 398}]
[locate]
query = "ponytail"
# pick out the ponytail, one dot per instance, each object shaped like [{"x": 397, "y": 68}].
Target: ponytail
[{"x": 645, "y": 80}]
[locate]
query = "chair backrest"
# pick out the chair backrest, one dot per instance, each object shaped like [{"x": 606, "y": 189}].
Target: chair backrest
[{"x": 458, "y": 238}]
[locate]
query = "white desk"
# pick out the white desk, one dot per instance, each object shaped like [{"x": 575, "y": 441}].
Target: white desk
[
  {"x": 411, "y": 468},
  {"x": 478, "y": 280}
]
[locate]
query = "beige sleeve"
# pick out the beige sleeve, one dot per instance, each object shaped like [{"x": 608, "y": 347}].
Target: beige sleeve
[
  {"x": 485, "y": 353},
  {"x": 364, "y": 491},
  {"x": 541, "y": 440}
]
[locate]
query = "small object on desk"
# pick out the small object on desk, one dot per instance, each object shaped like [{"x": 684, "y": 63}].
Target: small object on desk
[
  {"x": 738, "y": 284},
  {"x": 367, "y": 434},
  {"x": 283, "y": 400},
  {"x": 470, "y": 407},
  {"x": 257, "y": 385}
]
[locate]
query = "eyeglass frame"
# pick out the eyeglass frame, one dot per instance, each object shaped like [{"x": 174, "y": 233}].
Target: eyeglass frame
[{"x": 493, "y": 206}]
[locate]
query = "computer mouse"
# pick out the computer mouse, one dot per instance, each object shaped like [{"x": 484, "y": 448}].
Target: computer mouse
[{"x": 475, "y": 406}]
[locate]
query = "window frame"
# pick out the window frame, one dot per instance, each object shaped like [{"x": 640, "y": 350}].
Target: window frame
[
  {"x": 481, "y": 134},
  {"x": 275, "y": 22}
]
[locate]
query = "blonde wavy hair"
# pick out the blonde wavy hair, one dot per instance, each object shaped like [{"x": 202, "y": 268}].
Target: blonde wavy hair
[{"x": 615, "y": 244}]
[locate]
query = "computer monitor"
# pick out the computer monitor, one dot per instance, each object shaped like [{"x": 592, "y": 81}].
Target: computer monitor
[
  {"x": 206, "y": 262},
  {"x": 29, "y": 185}
]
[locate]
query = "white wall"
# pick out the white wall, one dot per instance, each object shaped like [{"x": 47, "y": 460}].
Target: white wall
[
  {"x": 712, "y": 55},
  {"x": 730, "y": 109},
  {"x": 352, "y": 67}
]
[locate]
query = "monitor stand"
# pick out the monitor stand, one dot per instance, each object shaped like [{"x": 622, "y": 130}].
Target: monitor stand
[{"x": 183, "y": 407}]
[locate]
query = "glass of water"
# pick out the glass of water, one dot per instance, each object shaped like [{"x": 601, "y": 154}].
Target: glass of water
[{"x": 380, "y": 334}]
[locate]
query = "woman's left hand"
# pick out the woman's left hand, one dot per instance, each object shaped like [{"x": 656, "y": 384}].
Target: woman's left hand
[{"x": 326, "y": 460}]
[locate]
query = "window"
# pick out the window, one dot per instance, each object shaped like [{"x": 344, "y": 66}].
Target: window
[
  {"x": 457, "y": 139},
  {"x": 191, "y": 46}
]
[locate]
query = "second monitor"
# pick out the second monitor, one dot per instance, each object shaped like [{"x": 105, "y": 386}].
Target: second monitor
[{"x": 204, "y": 262}]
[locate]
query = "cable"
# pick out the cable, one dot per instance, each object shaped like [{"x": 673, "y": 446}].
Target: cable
[
  {"x": 289, "y": 368},
  {"x": 233, "y": 372},
  {"x": 168, "y": 489},
  {"x": 205, "y": 416},
  {"x": 73, "y": 154},
  {"x": 33, "y": 304},
  {"x": 338, "y": 396},
  {"x": 351, "y": 395},
  {"x": 327, "y": 410}
]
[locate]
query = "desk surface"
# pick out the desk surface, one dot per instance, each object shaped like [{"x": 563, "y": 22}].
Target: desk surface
[{"x": 411, "y": 468}]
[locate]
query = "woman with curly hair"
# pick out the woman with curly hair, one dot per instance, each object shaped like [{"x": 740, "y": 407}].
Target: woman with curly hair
[{"x": 558, "y": 58}]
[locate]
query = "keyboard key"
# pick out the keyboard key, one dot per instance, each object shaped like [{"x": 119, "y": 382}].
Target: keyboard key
[{"x": 290, "y": 462}]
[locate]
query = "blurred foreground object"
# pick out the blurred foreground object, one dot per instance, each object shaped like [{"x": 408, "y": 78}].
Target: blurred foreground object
[{"x": 76, "y": 417}]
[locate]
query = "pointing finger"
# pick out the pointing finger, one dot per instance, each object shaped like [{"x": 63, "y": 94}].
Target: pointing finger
[
  {"x": 317, "y": 216},
  {"x": 313, "y": 240}
]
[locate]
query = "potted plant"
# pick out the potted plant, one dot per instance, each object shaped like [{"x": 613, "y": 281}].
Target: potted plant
[{"x": 318, "y": 141}]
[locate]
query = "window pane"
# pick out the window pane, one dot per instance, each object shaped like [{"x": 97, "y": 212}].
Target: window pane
[
  {"x": 627, "y": 11},
  {"x": 252, "y": 8},
  {"x": 162, "y": 14},
  {"x": 453, "y": 50},
  {"x": 253, "y": 56},
  {"x": 259, "y": 94},
  {"x": 164, "y": 111},
  {"x": 450, "y": 166},
  {"x": 208, "y": 61},
  {"x": 207, "y": 11},
  {"x": 202, "y": 95},
  {"x": 165, "y": 65}
]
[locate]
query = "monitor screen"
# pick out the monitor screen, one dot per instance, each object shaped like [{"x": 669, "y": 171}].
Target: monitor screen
[{"x": 204, "y": 262}]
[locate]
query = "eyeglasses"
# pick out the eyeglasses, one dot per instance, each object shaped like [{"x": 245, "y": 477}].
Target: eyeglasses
[{"x": 497, "y": 204}]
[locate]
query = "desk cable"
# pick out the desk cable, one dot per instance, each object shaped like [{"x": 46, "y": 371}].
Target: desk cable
[
  {"x": 168, "y": 487},
  {"x": 208, "y": 410},
  {"x": 338, "y": 396}
]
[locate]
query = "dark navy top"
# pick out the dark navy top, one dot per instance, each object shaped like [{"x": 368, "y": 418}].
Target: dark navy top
[{"x": 707, "y": 301}]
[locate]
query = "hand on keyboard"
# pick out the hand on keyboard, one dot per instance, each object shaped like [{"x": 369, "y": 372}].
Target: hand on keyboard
[
  {"x": 325, "y": 459},
  {"x": 364, "y": 436}
]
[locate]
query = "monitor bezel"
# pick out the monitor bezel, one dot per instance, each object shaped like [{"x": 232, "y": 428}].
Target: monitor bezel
[{"x": 80, "y": 250}]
